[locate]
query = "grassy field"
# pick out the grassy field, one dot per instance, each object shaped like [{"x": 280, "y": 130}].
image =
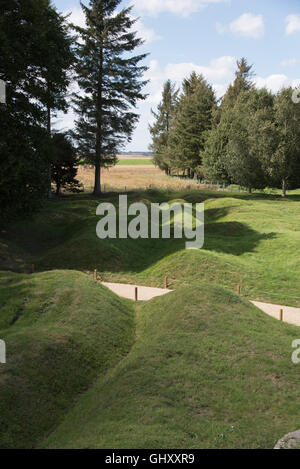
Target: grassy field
[
  {"x": 207, "y": 369},
  {"x": 124, "y": 178},
  {"x": 62, "y": 331},
  {"x": 135, "y": 162}
]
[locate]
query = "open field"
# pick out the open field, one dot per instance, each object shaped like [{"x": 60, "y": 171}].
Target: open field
[
  {"x": 133, "y": 177},
  {"x": 135, "y": 162},
  {"x": 208, "y": 369}
]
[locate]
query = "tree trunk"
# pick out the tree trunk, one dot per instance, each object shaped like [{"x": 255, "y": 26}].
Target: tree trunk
[
  {"x": 249, "y": 190},
  {"x": 97, "y": 187},
  {"x": 57, "y": 189},
  {"x": 49, "y": 191},
  {"x": 283, "y": 188}
]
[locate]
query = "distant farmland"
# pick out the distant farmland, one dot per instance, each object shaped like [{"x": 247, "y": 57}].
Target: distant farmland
[{"x": 125, "y": 161}]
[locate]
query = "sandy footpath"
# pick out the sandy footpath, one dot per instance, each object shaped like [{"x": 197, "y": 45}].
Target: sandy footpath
[{"x": 290, "y": 315}]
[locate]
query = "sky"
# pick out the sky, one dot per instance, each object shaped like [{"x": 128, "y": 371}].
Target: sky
[{"x": 207, "y": 36}]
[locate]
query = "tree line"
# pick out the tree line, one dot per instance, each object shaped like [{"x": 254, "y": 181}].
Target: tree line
[
  {"x": 41, "y": 55},
  {"x": 251, "y": 137}
]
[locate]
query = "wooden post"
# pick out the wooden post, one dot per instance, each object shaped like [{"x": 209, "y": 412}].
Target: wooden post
[
  {"x": 136, "y": 294},
  {"x": 238, "y": 289},
  {"x": 166, "y": 282},
  {"x": 281, "y": 315},
  {"x": 95, "y": 274}
]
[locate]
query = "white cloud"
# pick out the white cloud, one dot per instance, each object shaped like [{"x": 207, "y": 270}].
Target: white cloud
[
  {"x": 76, "y": 16},
  {"x": 275, "y": 83},
  {"x": 148, "y": 35},
  {"x": 248, "y": 25},
  {"x": 289, "y": 62},
  {"x": 178, "y": 7},
  {"x": 293, "y": 24},
  {"x": 219, "y": 72}
]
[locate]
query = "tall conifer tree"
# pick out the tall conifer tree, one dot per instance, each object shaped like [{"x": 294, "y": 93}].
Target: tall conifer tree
[
  {"x": 111, "y": 81},
  {"x": 160, "y": 130},
  {"x": 241, "y": 84},
  {"x": 193, "y": 120}
]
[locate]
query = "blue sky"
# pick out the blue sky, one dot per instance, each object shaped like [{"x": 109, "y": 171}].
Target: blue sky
[{"x": 209, "y": 36}]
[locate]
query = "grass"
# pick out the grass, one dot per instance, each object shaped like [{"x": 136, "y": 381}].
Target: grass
[
  {"x": 250, "y": 241},
  {"x": 135, "y": 162},
  {"x": 62, "y": 331},
  {"x": 208, "y": 370}
]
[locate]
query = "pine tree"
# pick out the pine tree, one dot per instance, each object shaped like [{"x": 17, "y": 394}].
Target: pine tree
[
  {"x": 64, "y": 163},
  {"x": 56, "y": 60},
  {"x": 193, "y": 120},
  {"x": 242, "y": 83},
  {"x": 111, "y": 81},
  {"x": 160, "y": 130},
  {"x": 251, "y": 140},
  {"x": 23, "y": 138},
  {"x": 215, "y": 151}
]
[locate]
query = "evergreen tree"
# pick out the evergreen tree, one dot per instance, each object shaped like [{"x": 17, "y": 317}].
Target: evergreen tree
[
  {"x": 241, "y": 84},
  {"x": 160, "y": 130},
  {"x": 251, "y": 140},
  {"x": 215, "y": 151},
  {"x": 65, "y": 163},
  {"x": 55, "y": 61},
  {"x": 110, "y": 79},
  {"x": 23, "y": 139},
  {"x": 193, "y": 120}
]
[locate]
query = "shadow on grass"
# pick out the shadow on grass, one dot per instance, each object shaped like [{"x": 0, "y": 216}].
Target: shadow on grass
[{"x": 63, "y": 236}]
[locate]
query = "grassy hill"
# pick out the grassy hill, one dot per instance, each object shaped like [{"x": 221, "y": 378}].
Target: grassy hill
[
  {"x": 248, "y": 240},
  {"x": 62, "y": 331},
  {"x": 208, "y": 370}
]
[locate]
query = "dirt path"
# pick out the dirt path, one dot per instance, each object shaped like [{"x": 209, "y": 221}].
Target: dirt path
[
  {"x": 128, "y": 291},
  {"x": 290, "y": 315}
]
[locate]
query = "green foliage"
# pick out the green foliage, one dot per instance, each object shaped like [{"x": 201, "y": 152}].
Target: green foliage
[
  {"x": 110, "y": 79},
  {"x": 241, "y": 84},
  {"x": 285, "y": 161},
  {"x": 34, "y": 69},
  {"x": 251, "y": 139},
  {"x": 160, "y": 130},
  {"x": 193, "y": 120},
  {"x": 216, "y": 149},
  {"x": 65, "y": 163}
]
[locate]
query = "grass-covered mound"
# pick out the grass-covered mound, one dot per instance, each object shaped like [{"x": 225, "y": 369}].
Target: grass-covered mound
[
  {"x": 251, "y": 240},
  {"x": 62, "y": 331},
  {"x": 208, "y": 370}
]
